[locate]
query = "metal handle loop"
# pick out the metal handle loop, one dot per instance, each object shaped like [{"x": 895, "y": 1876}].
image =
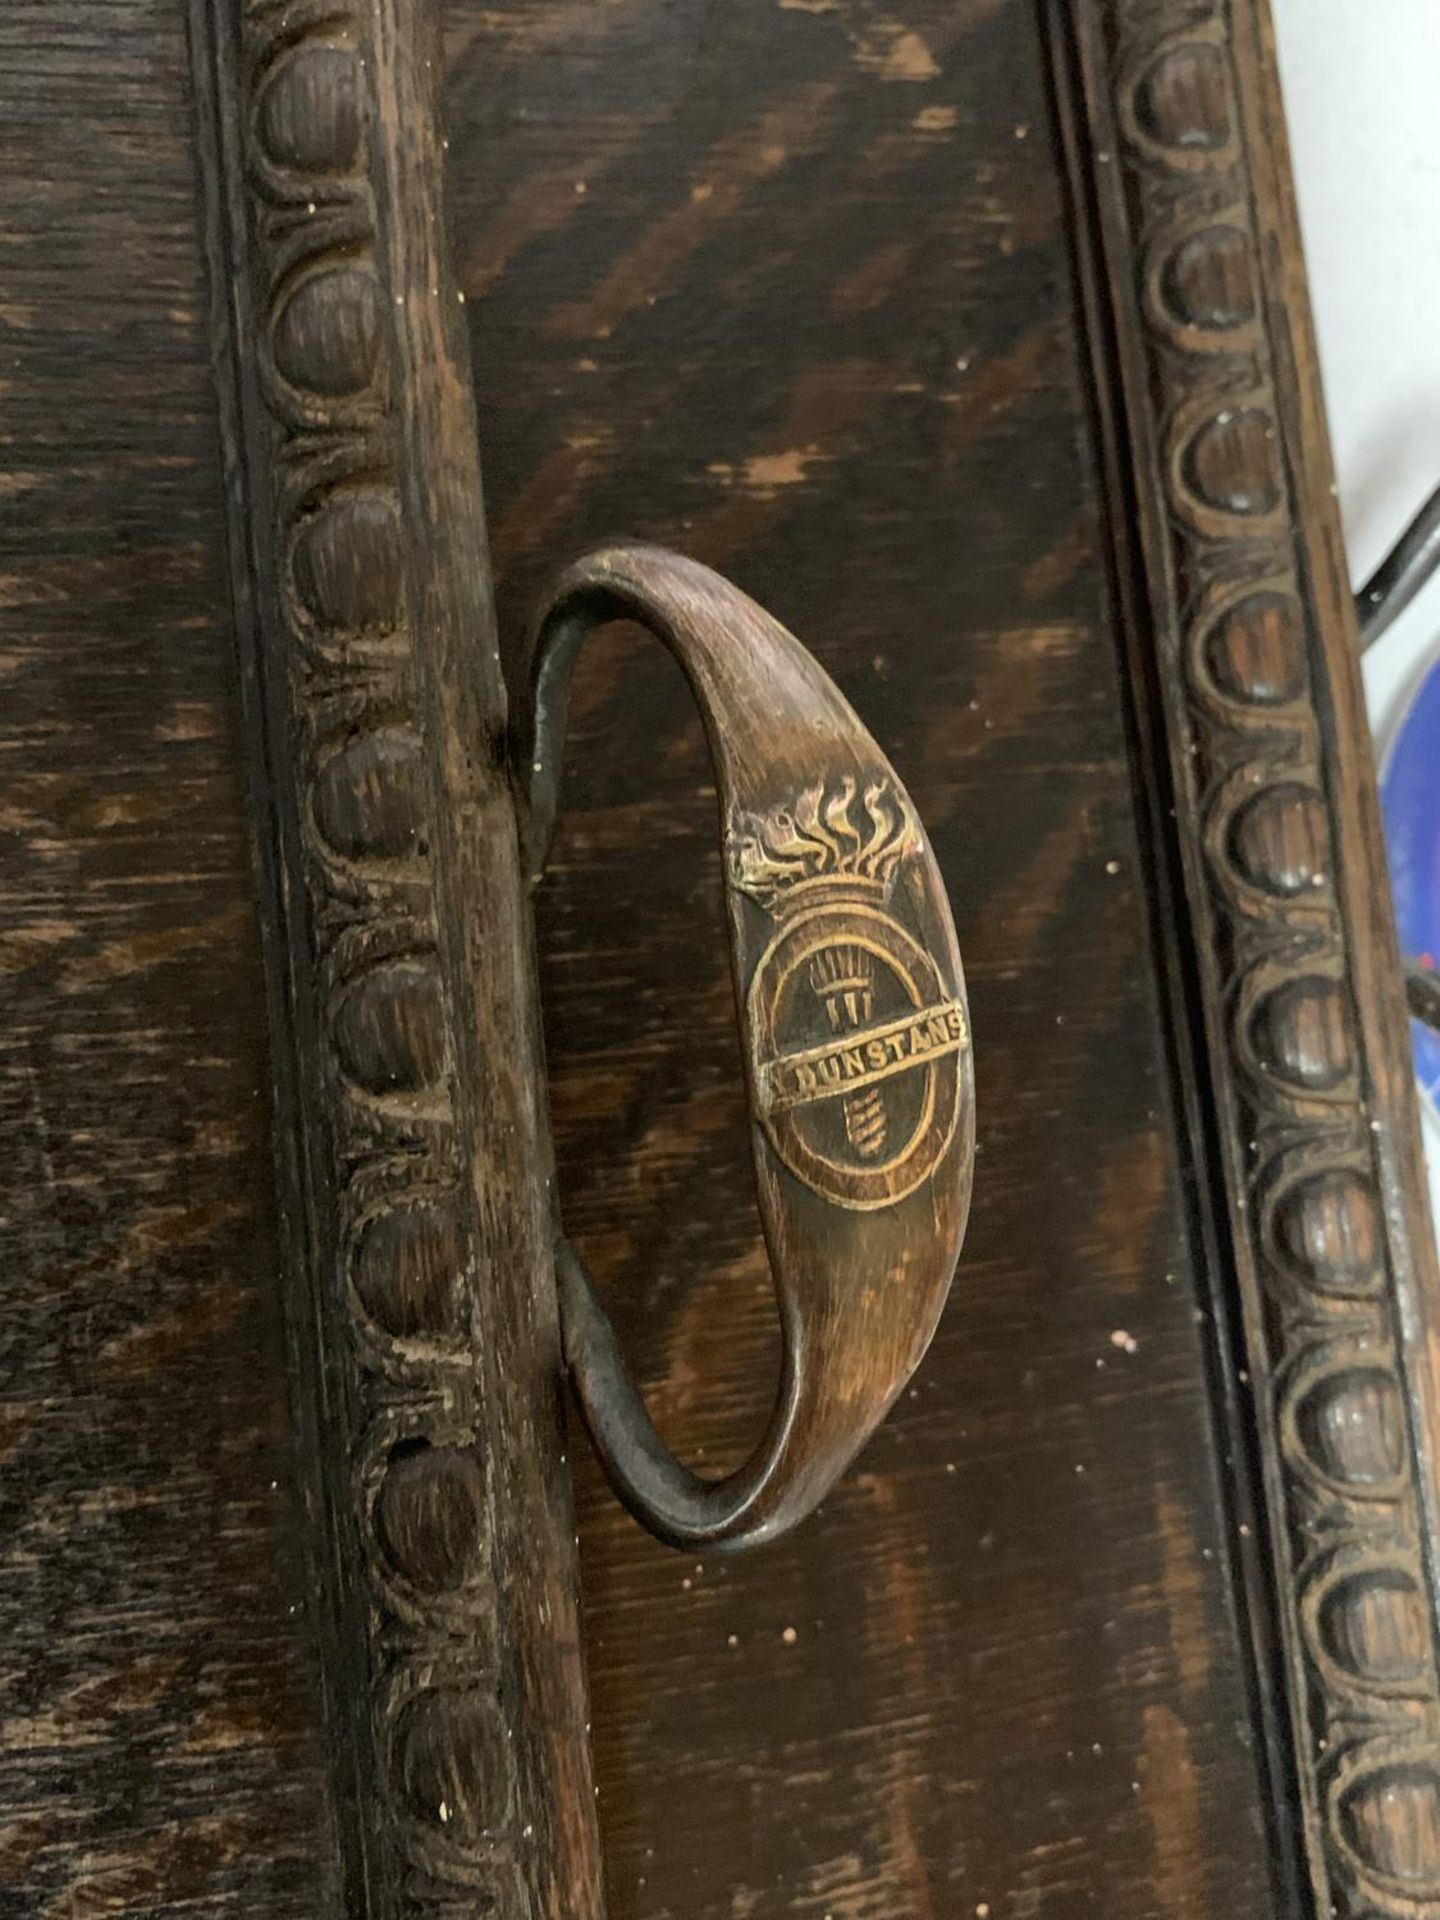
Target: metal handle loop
[{"x": 856, "y": 1041}]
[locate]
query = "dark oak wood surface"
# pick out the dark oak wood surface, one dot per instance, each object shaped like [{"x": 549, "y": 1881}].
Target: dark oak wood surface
[
  {"x": 159, "y": 1750},
  {"x": 788, "y": 288},
  {"x": 972, "y": 342}
]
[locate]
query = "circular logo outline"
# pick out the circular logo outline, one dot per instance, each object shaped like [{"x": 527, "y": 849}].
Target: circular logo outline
[{"x": 851, "y": 923}]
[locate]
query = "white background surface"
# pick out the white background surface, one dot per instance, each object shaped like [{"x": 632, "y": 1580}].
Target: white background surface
[{"x": 1362, "y": 96}]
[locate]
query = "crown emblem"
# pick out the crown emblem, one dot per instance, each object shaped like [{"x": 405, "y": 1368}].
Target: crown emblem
[{"x": 824, "y": 840}]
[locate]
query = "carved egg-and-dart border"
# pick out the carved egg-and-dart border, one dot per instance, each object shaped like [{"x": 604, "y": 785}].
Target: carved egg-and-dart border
[
  {"x": 420, "y": 1495},
  {"x": 1322, "y": 1232},
  {"x": 1355, "y": 1607}
]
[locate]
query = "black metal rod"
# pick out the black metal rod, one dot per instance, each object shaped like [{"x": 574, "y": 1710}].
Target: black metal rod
[
  {"x": 1422, "y": 992},
  {"x": 1401, "y": 574}
]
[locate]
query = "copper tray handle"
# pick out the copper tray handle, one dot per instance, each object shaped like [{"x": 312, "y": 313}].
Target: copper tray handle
[{"x": 855, "y": 1030}]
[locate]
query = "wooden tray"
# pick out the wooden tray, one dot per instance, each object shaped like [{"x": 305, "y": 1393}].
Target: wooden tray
[{"x": 975, "y": 344}]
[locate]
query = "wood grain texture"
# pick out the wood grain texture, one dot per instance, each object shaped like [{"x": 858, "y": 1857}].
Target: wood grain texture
[
  {"x": 158, "y": 1750},
  {"x": 790, "y": 290},
  {"x": 414, "y": 1165},
  {"x": 1247, "y": 608},
  {"x": 973, "y": 342},
  {"x": 855, "y": 1039}
]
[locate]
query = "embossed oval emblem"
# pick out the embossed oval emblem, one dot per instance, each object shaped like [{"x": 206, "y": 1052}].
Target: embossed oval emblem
[{"x": 857, "y": 1036}]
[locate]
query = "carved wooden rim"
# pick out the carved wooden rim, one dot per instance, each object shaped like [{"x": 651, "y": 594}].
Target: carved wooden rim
[
  {"x": 1244, "y": 657},
  {"x": 411, "y": 1162}
]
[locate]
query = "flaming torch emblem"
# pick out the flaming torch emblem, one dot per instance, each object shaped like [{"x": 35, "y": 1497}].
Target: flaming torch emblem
[
  {"x": 844, "y": 981},
  {"x": 849, "y": 1000},
  {"x": 782, "y": 858}
]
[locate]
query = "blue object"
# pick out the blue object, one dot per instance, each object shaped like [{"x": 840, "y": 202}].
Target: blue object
[{"x": 1410, "y": 801}]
